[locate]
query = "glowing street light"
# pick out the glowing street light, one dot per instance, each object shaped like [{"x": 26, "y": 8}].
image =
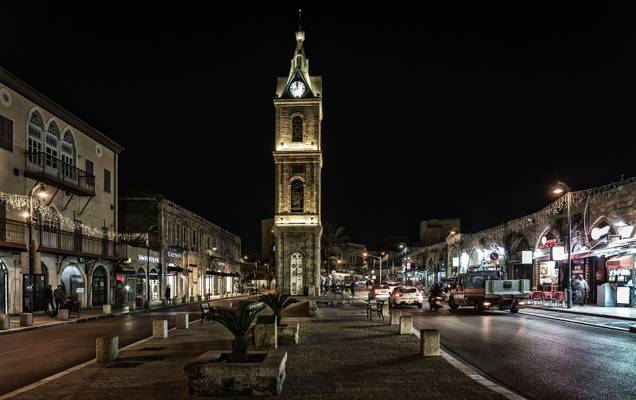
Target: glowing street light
[{"x": 563, "y": 188}]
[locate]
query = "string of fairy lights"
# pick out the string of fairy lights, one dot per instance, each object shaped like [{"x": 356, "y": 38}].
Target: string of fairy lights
[{"x": 50, "y": 216}]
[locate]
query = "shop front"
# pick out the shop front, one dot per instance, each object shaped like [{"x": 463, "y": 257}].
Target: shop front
[
  {"x": 125, "y": 284},
  {"x": 73, "y": 284},
  {"x": 36, "y": 282}
]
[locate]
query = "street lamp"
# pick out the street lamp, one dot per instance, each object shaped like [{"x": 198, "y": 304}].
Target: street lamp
[
  {"x": 150, "y": 229},
  {"x": 561, "y": 188},
  {"x": 376, "y": 257},
  {"x": 40, "y": 191}
]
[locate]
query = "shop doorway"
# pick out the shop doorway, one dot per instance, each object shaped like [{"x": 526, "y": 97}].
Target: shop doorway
[
  {"x": 4, "y": 288},
  {"x": 72, "y": 282},
  {"x": 37, "y": 283},
  {"x": 100, "y": 288},
  {"x": 141, "y": 287},
  {"x": 153, "y": 280}
]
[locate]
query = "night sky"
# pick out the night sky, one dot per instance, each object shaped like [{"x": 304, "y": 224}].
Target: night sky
[{"x": 470, "y": 113}]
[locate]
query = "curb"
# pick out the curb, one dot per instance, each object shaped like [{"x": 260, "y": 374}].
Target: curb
[
  {"x": 565, "y": 310},
  {"x": 616, "y": 328}
]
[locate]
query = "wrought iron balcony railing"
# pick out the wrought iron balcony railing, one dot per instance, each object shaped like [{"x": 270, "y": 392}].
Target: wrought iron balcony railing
[{"x": 54, "y": 171}]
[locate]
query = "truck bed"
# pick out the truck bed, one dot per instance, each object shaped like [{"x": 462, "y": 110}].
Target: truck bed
[{"x": 508, "y": 287}]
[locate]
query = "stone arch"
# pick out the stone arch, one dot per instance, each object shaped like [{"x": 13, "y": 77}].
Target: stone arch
[
  {"x": 71, "y": 278},
  {"x": 99, "y": 285},
  {"x": 298, "y": 129},
  {"x": 35, "y": 136},
  {"x": 297, "y": 195}
]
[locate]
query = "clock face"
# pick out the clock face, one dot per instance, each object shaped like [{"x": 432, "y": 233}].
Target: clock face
[{"x": 297, "y": 89}]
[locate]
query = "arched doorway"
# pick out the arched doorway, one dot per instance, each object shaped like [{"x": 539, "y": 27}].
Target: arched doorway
[
  {"x": 140, "y": 290},
  {"x": 153, "y": 281},
  {"x": 37, "y": 283},
  {"x": 4, "y": 288},
  {"x": 72, "y": 282},
  {"x": 296, "y": 267},
  {"x": 99, "y": 287}
]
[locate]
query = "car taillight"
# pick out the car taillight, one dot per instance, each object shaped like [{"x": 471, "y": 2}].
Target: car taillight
[
  {"x": 397, "y": 295},
  {"x": 486, "y": 304},
  {"x": 377, "y": 291}
]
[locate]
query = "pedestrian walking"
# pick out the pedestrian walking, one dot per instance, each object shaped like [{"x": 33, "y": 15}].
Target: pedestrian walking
[
  {"x": 582, "y": 287},
  {"x": 48, "y": 299},
  {"x": 167, "y": 294},
  {"x": 353, "y": 289},
  {"x": 60, "y": 298}
]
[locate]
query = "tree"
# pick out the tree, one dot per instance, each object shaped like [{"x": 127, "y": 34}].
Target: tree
[
  {"x": 333, "y": 239},
  {"x": 238, "y": 323}
]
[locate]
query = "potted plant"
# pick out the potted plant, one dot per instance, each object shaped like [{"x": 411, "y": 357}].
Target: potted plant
[
  {"x": 278, "y": 303},
  {"x": 238, "y": 324},
  {"x": 241, "y": 374}
]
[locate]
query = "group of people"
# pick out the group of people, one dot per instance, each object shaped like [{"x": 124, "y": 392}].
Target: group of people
[{"x": 54, "y": 299}]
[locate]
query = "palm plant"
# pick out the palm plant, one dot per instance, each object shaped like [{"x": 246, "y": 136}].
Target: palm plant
[
  {"x": 278, "y": 303},
  {"x": 238, "y": 323},
  {"x": 333, "y": 239}
]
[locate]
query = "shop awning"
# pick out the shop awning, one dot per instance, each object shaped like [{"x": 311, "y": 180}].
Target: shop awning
[
  {"x": 125, "y": 269},
  {"x": 626, "y": 262},
  {"x": 217, "y": 273},
  {"x": 174, "y": 268}
]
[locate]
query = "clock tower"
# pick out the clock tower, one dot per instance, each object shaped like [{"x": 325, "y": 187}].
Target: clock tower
[{"x": 298, "y": 164}]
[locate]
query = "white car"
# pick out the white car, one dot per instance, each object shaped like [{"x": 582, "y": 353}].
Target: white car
[
  {"x": 409, "y": 295},
  {"x": 379, "y": 292}
]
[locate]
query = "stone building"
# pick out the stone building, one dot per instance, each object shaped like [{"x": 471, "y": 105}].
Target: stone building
[
  {"x": 196, "y": 257},
  {"x": 437, "y": 230},
  {"x": 70, "y": 172},
  {"x": 535, "y": 246},
  {"x": 298, "y": 164}
]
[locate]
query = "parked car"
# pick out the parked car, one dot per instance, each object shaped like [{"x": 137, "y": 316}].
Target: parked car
[
  {"x": 379, "y": 292},
  {"x": 392, "y": 285},
  {"x": 408, "y": 295}
]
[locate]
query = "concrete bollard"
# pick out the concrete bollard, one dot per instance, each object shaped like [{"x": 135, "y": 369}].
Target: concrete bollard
[
  {"x": 26, "y": 319},
  {"x": 106, "y": 309},
  {"x": 5, "y": 322},
  {"x": 183, "y": 321},
  {"x": 406, "y": 325},
  {"x": 177, "y": 300},
  {"x": 63, "y": 314},
  {"x": 160, "y": 328},
  {"x": 386, "y": 309},
  {"x": 106, "y": 349},
  {"x": 191, "y": 299},
  {"x": 266, "y": 332},
  {"x": 132, "y": 306},
  {"x": 395, "y": 317},
  {"x": 429, "y": 342},
  {"x": 632, "y": 328}
]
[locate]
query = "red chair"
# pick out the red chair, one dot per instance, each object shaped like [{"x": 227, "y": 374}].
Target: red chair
[
  {"x": 559, "y": 297},
  {"x": 537, "y": 297},
  {"x": 548, "y": 297}
]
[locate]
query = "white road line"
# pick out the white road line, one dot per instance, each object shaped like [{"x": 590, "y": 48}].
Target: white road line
[
  {"x": 616, "y": 328},
  {"x": 473, "y": 374}
]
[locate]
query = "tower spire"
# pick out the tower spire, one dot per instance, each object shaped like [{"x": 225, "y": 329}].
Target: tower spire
[{"x": 300, "y": 19}]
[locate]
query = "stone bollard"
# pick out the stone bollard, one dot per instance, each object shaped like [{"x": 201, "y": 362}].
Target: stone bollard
[
  {"x": 395, "y": 317},
  {"x": 106, "y": 349},
  {"x": 266, "y": 332},
  {"x": 406, "y": 325},
  {"x": 160, "y": 329},
  {"x": 191, "y": 299},
  {"x": 106, "y": 309},
  {"x": 632, "y": 328},
  {"x": 5, "y": 322},
  {"x": 183, "y": 321},
  {"x": 429, "y": 342},
  {"x": 63, "y": 314},
  {"x": 132, "y": 306},
  {"x": 177, "y": 300},
  {"x": 26, "y": 319},
  {"x": 385, "y": 309}
]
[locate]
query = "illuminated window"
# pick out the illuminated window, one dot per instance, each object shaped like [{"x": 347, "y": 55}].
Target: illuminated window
[
  {"x": 297, "y": 196},
  {"x": 297, "y": 129},
  {"x": 67, "y": 150},
  {"x": 52, "y": 145},
  {"x": 36, "y": 132}
]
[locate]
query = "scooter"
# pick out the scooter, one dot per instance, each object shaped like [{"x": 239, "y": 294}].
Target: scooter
[{"x": 435, "y": 303}]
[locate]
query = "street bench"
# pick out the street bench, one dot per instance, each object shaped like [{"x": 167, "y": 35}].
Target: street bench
[
  {"x": 206, "y": 313},
  {"x": 377, "y": 307},
  {"x": 72, "y": 306}
]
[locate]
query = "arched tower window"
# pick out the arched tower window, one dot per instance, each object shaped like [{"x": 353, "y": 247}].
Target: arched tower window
[
  {"x": 297, "y": 196},
  {"x": 297, "y": 129},
  {"x": 52, "y": 144},
  {"x": 67, "y": 150},
  {"x": 36, "y": 135}
]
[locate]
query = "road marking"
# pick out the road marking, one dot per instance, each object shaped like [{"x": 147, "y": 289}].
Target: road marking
[
  {"x": 616, "y": 328},
  {"x": 474, "y": 374}
]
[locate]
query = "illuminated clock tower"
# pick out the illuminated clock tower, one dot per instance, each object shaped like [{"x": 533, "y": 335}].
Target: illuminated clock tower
[{"x": 298, "y": 164}]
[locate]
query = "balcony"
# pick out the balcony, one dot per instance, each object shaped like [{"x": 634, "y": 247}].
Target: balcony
[
  {"x": 13, "y": 234},
  {"x": 53, "y": 171}
]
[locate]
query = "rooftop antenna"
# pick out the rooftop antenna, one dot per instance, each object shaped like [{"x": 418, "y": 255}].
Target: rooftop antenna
[{"x": 300, "y": 19}]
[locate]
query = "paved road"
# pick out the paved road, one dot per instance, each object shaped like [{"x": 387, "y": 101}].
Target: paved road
[
  {"x": 27, "y": 357},
  {"x": 540, "y": 358}
]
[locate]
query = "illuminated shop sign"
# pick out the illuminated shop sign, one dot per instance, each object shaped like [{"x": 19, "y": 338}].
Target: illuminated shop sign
[
  {"x": 145, "y": 258},
  {"x": 173, "y": 254},
  {"x": 547, "y": 243}
]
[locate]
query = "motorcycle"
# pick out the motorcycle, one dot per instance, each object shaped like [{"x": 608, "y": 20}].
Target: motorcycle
[{"x": 436, "y": 303}]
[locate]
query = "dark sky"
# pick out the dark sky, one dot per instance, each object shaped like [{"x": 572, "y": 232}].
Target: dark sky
[{"x": 431, "y": 113}]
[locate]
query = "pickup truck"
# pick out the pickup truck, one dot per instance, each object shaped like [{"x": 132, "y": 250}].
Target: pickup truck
[{"x": 484, "y": 289}]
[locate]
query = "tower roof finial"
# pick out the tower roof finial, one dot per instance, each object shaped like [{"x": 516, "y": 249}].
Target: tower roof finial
[{"x": 300, "y": 19}]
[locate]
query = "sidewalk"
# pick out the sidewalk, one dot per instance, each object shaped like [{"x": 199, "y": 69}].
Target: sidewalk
[
  {"x": 341, "y": 356},
  {"x": 625, "y": 313},
  {"x": 41, "y": 320}
]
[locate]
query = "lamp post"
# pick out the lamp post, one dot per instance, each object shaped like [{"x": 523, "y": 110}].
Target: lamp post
[
  {"x": 39, "y": 190},
  {"x": 150, "y": 229},
  {"x": 405, "y": 249},
  {"x": 378, "y": 258},
  {"x": 568, "y": 272}
]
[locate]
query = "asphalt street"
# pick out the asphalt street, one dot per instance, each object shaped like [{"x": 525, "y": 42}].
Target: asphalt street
[
  {"x": 27, "y": 357},
  {"x": 540, "y": 358}
]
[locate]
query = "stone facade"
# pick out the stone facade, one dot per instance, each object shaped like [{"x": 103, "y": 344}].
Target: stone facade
[
  {"x": 298, "y": 164},
  {"x": 75, "y": 226}
]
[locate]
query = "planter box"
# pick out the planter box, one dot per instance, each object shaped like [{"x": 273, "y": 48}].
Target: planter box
[
  {"x": 288, "y": 334},
  {"x": 208, "y": 377}
]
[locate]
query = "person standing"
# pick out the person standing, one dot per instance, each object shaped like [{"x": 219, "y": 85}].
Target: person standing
[
  {"x": 48, "y": 299},
  {"x": 60, "y": 298},
  {"x": 167, "y": 294},
  {"x": 583, "y": 287},
  {"x": 353, "y": 289}
]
